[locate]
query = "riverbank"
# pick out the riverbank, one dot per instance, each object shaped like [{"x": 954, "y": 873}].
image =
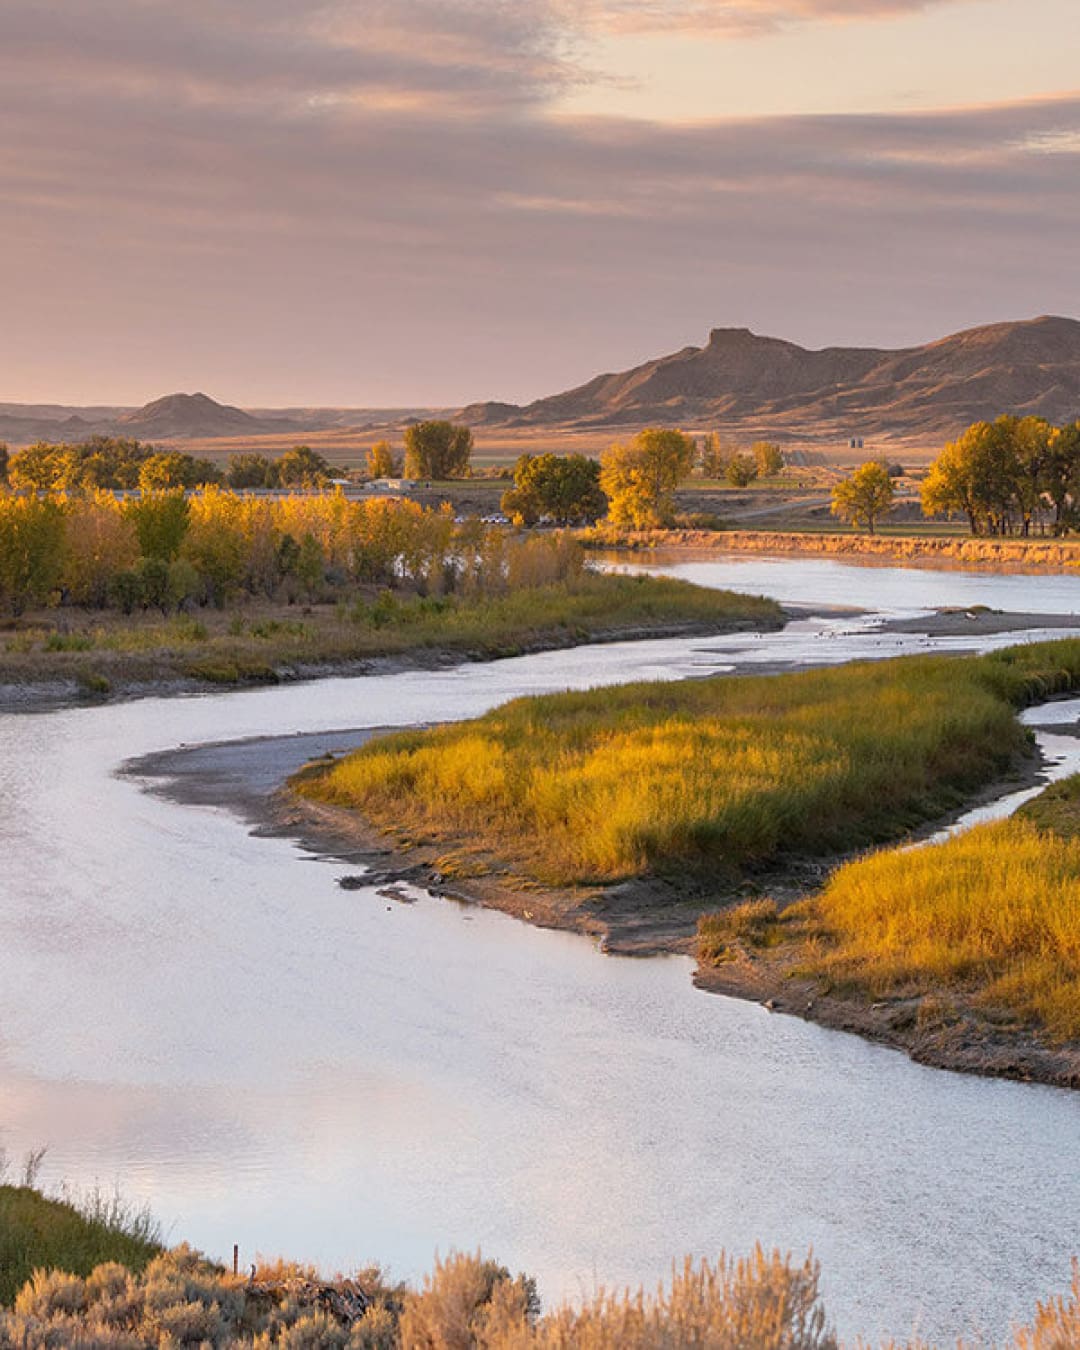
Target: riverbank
[
  {"x": 1036, "y": 555},
  {"x": 645, "y": 919},
  {"x": 765, "y": 1299},
  {"x": 51, "y": 659},
  {"x": 963, "y": 953},
  {"x": 652, "y": 897}
]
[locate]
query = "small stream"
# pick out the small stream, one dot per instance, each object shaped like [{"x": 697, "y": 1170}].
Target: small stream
[{"x": 204, "y": 1015}]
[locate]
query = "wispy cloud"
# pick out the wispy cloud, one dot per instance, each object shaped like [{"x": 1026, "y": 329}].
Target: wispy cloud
[
  {"x": 218, "y": 175},
  {"x": 735, "y": 16}
]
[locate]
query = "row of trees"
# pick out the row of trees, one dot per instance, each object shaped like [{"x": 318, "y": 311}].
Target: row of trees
[
  {"x": 432, "y": 450},
  {"x": 117, "y": 463},
  {"x": 1008, "y": 476},
  {"x": 103, "y": 462},
  {"x": 170, "y": 549},
  {"x": 740, "y": 466},
  {"x": 1005, "y": 477},
  {"x": 634, "y": 483}
]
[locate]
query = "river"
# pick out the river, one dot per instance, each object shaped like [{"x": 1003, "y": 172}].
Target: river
[{"x": 203, "y": 1015}]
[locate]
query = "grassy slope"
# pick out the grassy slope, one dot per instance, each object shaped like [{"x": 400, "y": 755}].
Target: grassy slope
[
  {"x": 985, "y": 924},
  {"x": 991, "y": 917},
  {"x": 254, "y": 644},
  {"x": 709, "y": 778},
  {"x": 37, "y": 1232}
]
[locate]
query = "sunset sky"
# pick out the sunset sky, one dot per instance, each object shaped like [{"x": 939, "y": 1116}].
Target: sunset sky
[{"x": 378, "y": 202}]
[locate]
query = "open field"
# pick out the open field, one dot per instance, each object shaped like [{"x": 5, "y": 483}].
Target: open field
[
  {"x": 346, "y": 447},
  {"x": 105, "y": 652}
]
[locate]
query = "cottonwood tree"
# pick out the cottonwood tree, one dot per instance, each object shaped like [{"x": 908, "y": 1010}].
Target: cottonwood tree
[
  {"x": 437, "y": 450},
  {"x": 172, "y": 469},
  {"x": 864, "y": 497},
  {"x": 741, "y": 470},
  {"x": 302, "y": 467},
  {"x": 250, "y": 471},
  {"x": 381, "y": 461},
  {"x": 769, "y": 458},
  {"x": 161, "y": 521},
  {"x": 31, "y": 550},
  {"x": 640, "y": 478},
  {"x": 999, "y": 474},
  {"x": 715, "y": 455},
  {"x": 564, "y": 489}
]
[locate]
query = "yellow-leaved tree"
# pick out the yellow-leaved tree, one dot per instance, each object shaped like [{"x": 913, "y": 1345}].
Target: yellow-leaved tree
[
  {"x": 864, "y": 497},
  {"x": 640, "y": 478}
]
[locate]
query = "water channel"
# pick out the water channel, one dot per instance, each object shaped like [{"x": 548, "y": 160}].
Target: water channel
[{"x": 204, "y": 1015}]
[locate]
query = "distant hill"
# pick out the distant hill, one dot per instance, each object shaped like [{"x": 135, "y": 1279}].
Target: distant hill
[
  {"x": 738, "y": 382},
  {"x": 742, "y": 379},
  {"x": 187, "y": 415}
]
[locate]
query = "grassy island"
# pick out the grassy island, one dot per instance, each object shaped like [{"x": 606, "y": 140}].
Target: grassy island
[
  {"x": 983, "y": 928},
  {"x": 708, "y": 780},
  {"x": 263, "y": 643},
  {"x": 635, "y": 811}
]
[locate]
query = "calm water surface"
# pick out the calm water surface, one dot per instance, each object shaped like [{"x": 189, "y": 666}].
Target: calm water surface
[{"x": 268, "y": 1059}]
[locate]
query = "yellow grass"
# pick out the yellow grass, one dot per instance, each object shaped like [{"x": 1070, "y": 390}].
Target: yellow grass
[
  {"x": 707, "y": 777},
  {"x": 962, "y": 549},
  {"x": 993, "y": 913}
]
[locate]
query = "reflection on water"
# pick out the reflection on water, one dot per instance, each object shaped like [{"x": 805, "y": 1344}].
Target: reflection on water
[
  {"x": 865, "y": 583},
  {"x": 271, "y": 1060}
]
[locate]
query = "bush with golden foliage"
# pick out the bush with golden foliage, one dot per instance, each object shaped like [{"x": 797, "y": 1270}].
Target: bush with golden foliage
[
  {"x": 765, "y": 1301},
  {"x": 92, "y": 550}
]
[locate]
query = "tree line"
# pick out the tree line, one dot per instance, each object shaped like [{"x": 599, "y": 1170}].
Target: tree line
[
  {"x": 117, "y": 463},
  {"x": 1008, "y": 477},
  {"x": 170, "y": 550},
  {"x": 633, "y": 484},
  {"x": 432, "y": 450}
]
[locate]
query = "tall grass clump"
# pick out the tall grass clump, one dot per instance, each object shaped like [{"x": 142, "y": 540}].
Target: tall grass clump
[
  {"x": 762, "y": 1301},
  {"x": 707, "y": 777},
  {"x": 72, "y": 1235},
  {"x": 993, "y": 913}
]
